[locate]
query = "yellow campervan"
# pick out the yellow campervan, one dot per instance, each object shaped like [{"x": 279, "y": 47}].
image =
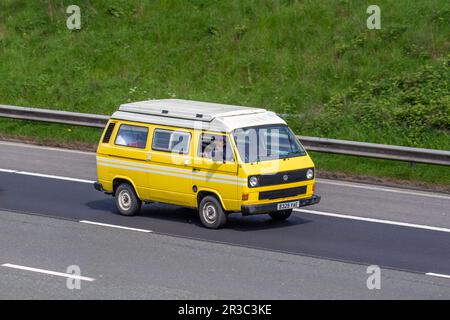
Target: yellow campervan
[{"x": 213, "y": 157}]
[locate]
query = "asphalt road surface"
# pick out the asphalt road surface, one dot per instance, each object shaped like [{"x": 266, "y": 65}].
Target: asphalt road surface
[{"x": 52, "y": 218}]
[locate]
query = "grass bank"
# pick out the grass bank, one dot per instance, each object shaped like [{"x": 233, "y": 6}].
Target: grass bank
[{"x": 313, "y": 59}]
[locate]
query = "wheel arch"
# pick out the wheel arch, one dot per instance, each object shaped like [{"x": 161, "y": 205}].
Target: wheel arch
[
  {"x": 209, "y": 192},
  {"x": 122, "y": 179}
]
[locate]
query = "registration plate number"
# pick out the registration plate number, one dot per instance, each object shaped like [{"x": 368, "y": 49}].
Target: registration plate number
[{"x": 288, "y": 205}]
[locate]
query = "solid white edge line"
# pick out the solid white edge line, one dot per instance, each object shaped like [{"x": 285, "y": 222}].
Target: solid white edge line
[
  {"x": 33, "y": 146},
  {"x": 337, "y": 183},
  {"x": 392, "y": 190},
  {"x": 53, "y": 273},
  {"x": 438, "y": 275},
  {"x": 41, "y": 175},
  {"x": 319, "y": 180},
  {"x": 395, "y": 223},
  {"x": 114, "y": 226}
]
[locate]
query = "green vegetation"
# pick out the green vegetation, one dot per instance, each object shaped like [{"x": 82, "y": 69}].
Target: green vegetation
[
  {"x": 314, "y": 59},
  {"x": 54, "y": 134},
  {"x": 383, "y": 171},
  {"x": 408, "y": 109}
]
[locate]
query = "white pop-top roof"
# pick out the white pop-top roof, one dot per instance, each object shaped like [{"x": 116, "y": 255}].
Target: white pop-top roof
[{"x": 196, "y": 114}]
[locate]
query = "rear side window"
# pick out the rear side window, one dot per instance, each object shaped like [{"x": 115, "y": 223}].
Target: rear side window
[
  {"x": 171, "y": 141},
  {"x": 132, "y": 136},
  {"x": 108, "y": 132}
]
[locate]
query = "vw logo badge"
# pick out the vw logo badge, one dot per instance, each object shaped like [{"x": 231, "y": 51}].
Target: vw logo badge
[{"x": 285, "y": 177}]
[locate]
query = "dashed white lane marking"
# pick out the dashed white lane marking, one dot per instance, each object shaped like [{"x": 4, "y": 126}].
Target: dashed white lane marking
[
  {"x": 53, "y": 273},
  {"x": 115, "y": 226},
  {"x": 395, "y": 223},
  {"x": 391, "y": 190},
  {"x": 438, "y": 275}
]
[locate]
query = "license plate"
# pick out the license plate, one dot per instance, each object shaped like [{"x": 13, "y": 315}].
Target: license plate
[{"x": 288, "y": 205}]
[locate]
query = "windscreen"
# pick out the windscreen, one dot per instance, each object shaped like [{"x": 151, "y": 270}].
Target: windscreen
[{"x": 265, "y": 143}]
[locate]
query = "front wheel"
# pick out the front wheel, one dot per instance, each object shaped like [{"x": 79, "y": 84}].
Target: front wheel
[
  {"x": 127, "y": 201},
  {"x": 211, "y": 213},
  {"x": 280, "y": 215}
]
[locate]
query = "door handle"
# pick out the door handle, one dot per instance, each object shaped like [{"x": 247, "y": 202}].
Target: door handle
[{"x": 195, "y": 169}]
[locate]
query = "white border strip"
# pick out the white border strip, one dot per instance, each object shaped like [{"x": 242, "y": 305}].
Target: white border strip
[
  {"x": 395, "y": 223},
  {"x": 114, "y": 226},
  {"x": 53, "y": 273}
]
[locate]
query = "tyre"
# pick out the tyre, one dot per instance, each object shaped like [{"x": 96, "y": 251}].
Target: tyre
[
  {"x": 127, "y": 201},
  {"x": 280, "y": 215},
  {"x": 211, "y": 213}
]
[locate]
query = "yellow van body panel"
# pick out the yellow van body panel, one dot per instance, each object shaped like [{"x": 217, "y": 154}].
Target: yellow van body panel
[
  {"x": 160, "y": 176},
  {"x": 219, "y": 178}
]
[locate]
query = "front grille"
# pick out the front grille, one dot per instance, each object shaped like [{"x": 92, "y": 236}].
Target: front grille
[
  {"x": 282, "y": 193},
  {"x": 283, "y": 177}
]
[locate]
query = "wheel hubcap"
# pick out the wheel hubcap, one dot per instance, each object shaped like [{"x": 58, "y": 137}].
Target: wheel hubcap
[
  {"x": 124, "y": 200},
  {"x": 209, "y": 212}
]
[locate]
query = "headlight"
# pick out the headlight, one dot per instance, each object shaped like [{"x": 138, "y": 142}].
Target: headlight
[
  {"x": 309, "y": 174},
  {"x": 253, "y": 181}
]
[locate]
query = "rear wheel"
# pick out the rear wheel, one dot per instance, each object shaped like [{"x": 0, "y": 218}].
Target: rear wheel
[
  {"x": 280, "y": 215},
  {"x": 127, "y": 201},
  {"x": 211, "y": 213}
]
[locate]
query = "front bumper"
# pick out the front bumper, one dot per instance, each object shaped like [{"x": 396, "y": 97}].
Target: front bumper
[{"x": 270, "y": 207}]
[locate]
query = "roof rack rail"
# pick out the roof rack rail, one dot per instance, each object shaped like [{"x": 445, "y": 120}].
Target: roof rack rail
[{"x": 187, "y": 109}]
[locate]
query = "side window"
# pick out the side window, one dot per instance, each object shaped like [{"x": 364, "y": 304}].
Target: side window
[
  {"x": 132, "y": 136},
  {"x": 108, "y": 132},
  {"x": 171, "y": 141},
  {"x": 215, "y": 147}
]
